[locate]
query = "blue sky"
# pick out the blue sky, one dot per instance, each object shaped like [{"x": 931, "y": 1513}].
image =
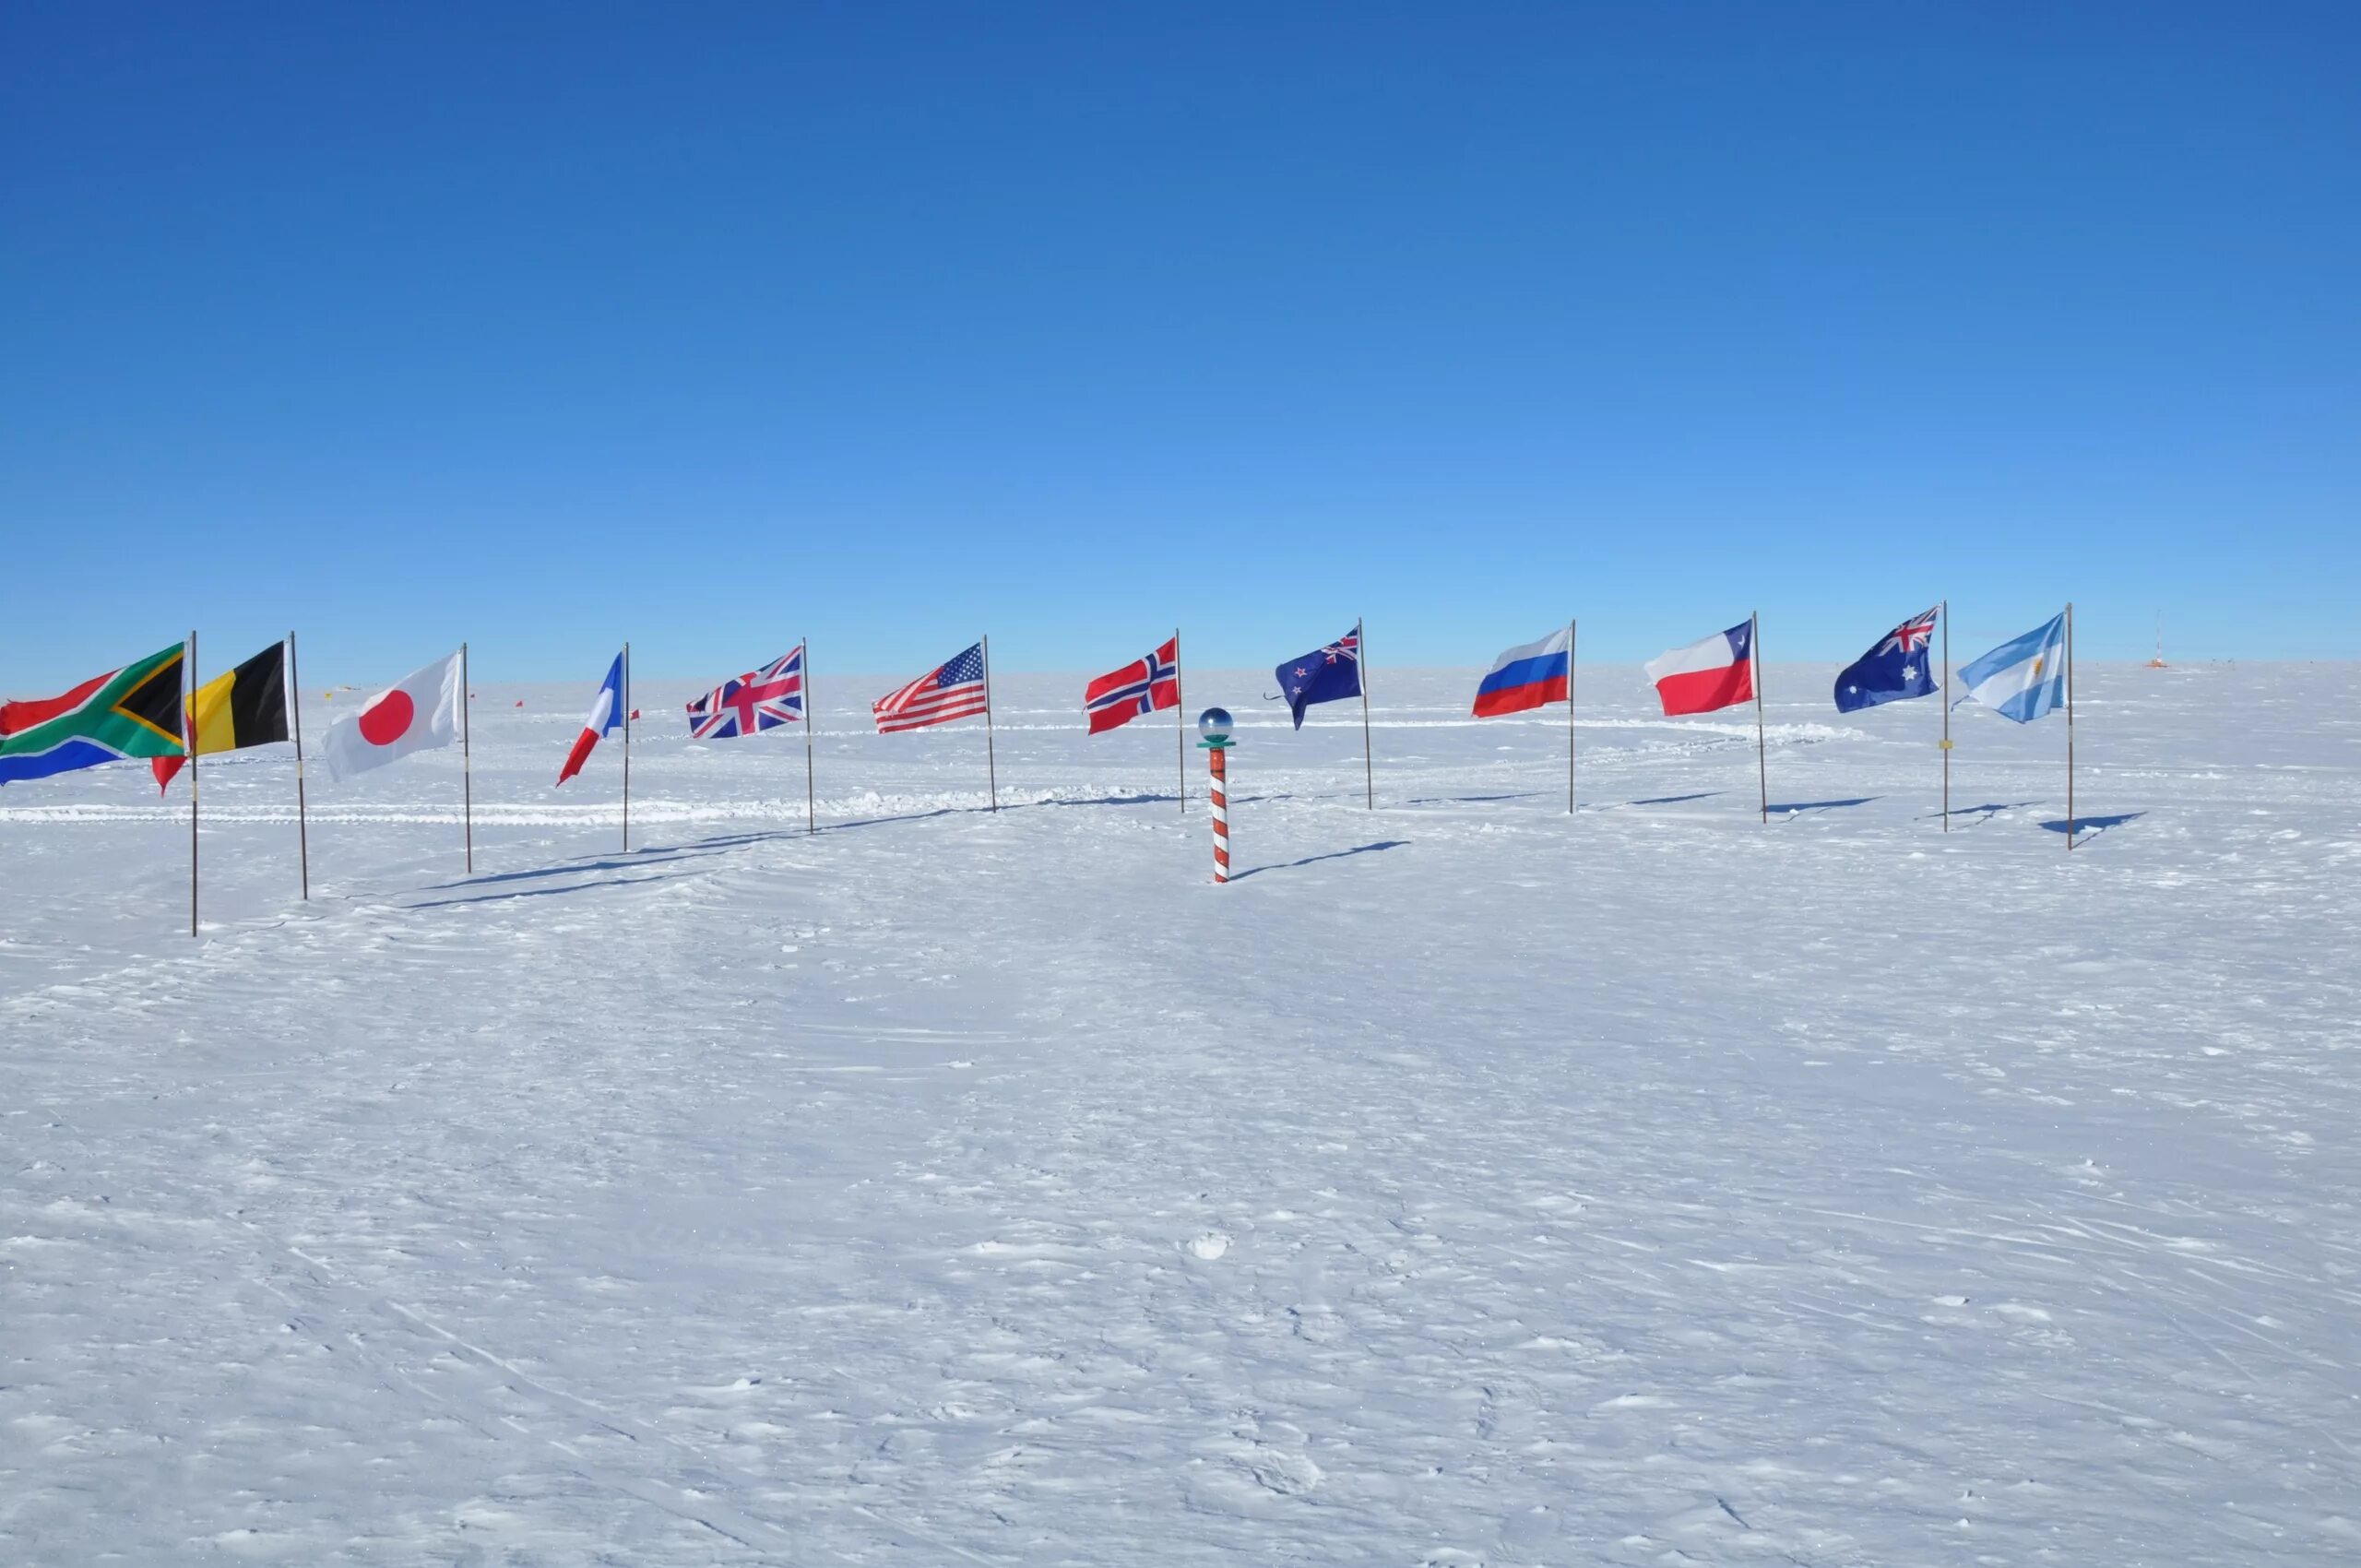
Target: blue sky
[{"x": 712, "y": 326}]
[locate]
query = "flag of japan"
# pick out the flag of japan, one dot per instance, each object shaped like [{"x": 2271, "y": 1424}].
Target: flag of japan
[{"x": 422, "y": 711}]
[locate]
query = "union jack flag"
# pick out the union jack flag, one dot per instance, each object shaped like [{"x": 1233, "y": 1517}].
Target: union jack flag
[
  {"x": 1894, "y": 669},
  {"x": 1144, "y": 686},
  {"x": 758, "y": 700},
  {"x": 1911, "y": 635},
  {"x": 1346, "y": 646}
]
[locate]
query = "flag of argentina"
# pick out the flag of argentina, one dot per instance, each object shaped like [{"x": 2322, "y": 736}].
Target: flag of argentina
[{"x": 2024, "y": 677}]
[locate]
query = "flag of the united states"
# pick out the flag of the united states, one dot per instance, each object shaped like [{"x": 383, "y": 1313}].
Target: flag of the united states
[{"x": 954, "y": 690}]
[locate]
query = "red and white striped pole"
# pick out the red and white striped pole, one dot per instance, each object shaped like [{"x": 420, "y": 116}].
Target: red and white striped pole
[
  {"x": 1221, "y": 813},
  {"x": 1214, "y": 724}
]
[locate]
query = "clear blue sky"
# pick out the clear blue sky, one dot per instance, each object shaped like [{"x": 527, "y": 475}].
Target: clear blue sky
[{"x": 711, "y": 326}]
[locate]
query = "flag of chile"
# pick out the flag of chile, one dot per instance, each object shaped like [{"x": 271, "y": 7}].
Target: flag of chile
[{"x": 1716, "y": 672}]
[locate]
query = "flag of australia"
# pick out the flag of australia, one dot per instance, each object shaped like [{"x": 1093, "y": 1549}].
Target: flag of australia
[
  {"x": 1324, "y": 674},
  {"x": 1897, "y": 668}
]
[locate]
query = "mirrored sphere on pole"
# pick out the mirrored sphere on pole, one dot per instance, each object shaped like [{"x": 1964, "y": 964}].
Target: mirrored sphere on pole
[{"x": 1215, "y": 724}]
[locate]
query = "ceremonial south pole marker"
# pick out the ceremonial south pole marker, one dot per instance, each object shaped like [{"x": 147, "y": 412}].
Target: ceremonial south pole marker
[{"x": 1214, "y": 725}]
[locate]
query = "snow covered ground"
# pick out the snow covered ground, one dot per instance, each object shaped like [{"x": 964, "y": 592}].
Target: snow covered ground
[{"x": 1466, "y": 1183}]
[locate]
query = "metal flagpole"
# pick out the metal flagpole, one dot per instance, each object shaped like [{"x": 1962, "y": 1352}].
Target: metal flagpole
[
  {"x": 1369, "y": 768},
  {"x": 2069, "y": 723},
  {"x": 811, "y": 811},
  {"x": 1755, "y": 657},
  {"x": 466, "y": 761},
  {"x": 1570, "y": 718},
  {"x": 1180, "y": 725},
  {"x": 1946, "y": 693},
  {"x": 992, "y": 768},
  {"x": 188, "y": 742},
  {"x": 295, "y": 722},
  {"x": 623, "y": 696}
]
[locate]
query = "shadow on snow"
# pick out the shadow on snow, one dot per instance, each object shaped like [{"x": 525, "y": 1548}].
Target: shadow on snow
[
  {"x": 638, "y": 857},
  {"x": 1470, "y": 800},
  {"x": 1332, "y": 855},
  {"x": 1983, "y": 813},
  {"x": 542, "y": 892},
  {"x": 2085, "y": 825},
  {"x": 1793, "y": 806},
  {"x": 769, "y": 835}
]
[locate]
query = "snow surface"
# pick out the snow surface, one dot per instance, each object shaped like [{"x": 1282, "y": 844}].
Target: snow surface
[{"x": 1465, "y": 1183}]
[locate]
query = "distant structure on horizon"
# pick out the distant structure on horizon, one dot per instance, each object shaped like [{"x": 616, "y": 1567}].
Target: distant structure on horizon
[{"x": 2158, "y": 662}]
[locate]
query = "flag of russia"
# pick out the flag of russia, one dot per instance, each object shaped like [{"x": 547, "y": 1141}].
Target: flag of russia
[{"x": 1527, "y": 676}]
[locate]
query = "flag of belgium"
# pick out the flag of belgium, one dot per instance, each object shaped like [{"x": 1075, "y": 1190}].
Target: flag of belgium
[{"x": 245, "y": 708}]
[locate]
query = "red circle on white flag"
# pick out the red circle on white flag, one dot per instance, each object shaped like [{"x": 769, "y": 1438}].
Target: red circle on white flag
[{"x": 387, "y": 719}]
